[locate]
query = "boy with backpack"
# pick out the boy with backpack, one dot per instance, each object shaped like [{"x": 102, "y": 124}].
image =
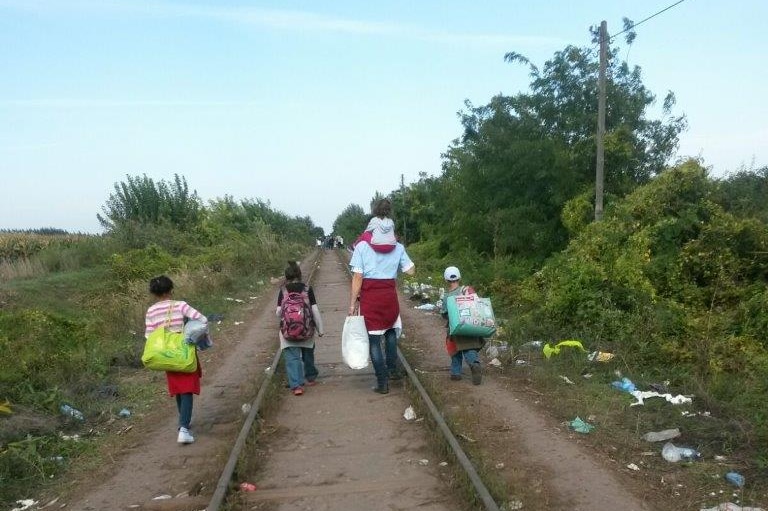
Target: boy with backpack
[
  {"x": 299, "y": 320},
  {"x": 461, "y": 348}
]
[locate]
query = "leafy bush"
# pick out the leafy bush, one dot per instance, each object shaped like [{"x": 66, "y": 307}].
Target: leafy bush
[
  {"x": 668, "y": 279},
  {"x": 142, "y": 264},
  {"x": 48, "y": 351},
  {"x": 139, "y": 200}
]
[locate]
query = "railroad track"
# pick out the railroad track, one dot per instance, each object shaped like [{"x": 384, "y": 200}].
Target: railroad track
[{"x": 342, "y": 446}]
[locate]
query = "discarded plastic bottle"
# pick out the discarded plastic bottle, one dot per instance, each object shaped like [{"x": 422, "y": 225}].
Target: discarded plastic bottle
[
  {"x": 71, "y": 412},
  {"x": 735, "y": 479},
  {"x": 660, "y": 436},
  {"x": 672, "y": 453},
  {"x": 531, "y": 345}
]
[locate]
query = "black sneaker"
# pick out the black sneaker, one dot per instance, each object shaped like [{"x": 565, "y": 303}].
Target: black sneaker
[
  {"x": 455, "y": 377},
  {"x": 396, "y": 375},
  {"x": 381, "y": 389},
  {"x": 477, "y": 374}
]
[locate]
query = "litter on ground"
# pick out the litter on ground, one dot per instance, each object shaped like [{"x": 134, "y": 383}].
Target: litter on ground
[
  {"x": 570, "y": 343},
  {"x": 580, "y": 426},
  {"x": 641, "y": 396},
  {"x": 730, "y": 506}
]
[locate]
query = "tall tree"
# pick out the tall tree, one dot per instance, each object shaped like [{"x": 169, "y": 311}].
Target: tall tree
[
  {"x": 350, "y": 223},
  {"x": 140, "y": 200},
  {"x": 522, "y": 157},
  {"x": 562, "y": 103}
]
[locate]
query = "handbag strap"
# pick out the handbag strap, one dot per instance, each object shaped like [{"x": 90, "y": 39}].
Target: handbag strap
[{"x": 168, "y": 314}]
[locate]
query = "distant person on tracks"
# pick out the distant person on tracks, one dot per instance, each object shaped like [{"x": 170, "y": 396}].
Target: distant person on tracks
[
  {"x": 461, "y": 348},
  {"x": 174, "y": 314},
  {"x": 300, "y": 319},
  {"x": 374, "y": 295}
]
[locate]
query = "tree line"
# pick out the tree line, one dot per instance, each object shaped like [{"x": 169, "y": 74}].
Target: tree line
[{"x": 674, "y": 278}]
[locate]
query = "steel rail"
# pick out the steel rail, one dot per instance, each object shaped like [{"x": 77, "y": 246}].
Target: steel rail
[
  {"x": 482, "y": 491},
  {"x": 222, "y": 486}
]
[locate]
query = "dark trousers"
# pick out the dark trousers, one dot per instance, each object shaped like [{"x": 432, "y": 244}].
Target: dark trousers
[{"x": 184, "y": 404}]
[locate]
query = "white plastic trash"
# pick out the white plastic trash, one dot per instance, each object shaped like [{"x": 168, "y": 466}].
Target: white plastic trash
[
  {"x": 660, "y": 436},
  {"x": 672, "y": 453},
  {"x": 409, "y": 414},
  {"x": 730, "y": 506}
]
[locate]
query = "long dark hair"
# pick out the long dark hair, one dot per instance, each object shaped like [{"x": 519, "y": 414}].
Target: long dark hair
[{"x": 292, "y": 272}]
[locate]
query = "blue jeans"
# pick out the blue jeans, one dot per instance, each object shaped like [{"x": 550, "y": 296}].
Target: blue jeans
[
  {"x": 184, "y": 405},
  {"x": 299, "y": 364},
  {"x": 470, "y": 356},
  {"x": 308, "y": 357},
  {"x": 384, "y": 362}
]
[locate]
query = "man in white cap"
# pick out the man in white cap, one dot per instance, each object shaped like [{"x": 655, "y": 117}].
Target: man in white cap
[{"x": 459, "y": 347}]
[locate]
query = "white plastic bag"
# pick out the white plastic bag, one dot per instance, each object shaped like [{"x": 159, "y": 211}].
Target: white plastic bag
[{"x": 354, "y": 343}]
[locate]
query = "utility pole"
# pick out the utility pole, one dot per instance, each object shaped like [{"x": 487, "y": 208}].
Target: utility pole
[
  {"x": 402, "y": 194},
  {"x": 599, "y": 167}
]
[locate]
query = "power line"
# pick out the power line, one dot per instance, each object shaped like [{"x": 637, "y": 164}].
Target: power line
[{"x": 646, "y": 19}]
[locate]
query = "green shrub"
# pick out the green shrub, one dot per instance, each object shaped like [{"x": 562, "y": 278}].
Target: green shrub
[
  {"x": 143, "y": 263},
  {"x": 44, "y": 350}
]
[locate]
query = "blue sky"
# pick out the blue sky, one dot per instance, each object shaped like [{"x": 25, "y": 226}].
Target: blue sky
[{"x": 317, "y": 105}]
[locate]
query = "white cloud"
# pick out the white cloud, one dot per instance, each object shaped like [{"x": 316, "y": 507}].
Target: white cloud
[
  {"x": 277, "y": 19},
  {"x": 91, "y": 103}
]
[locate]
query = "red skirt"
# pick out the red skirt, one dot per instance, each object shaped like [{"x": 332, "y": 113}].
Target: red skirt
[
  {"x": 184, "y": 383},
  {"x": 378, "y": 303}
]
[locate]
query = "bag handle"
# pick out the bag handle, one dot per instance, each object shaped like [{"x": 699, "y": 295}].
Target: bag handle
[{"x": 168, "y": 314}]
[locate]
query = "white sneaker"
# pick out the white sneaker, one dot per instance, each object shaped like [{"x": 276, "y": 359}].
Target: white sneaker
[{"x": 185, "y": 437}]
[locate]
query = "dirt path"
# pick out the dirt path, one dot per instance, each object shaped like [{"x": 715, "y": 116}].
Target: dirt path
[
  {"x": 340, "y": 445},
  {"x": 542, "y": 462},
  {"x": 543, "y": 466},
  {"x": 154, "y": 465}
]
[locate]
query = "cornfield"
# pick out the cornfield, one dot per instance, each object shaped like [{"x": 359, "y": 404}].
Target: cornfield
[{"x": 15, "y": 246}]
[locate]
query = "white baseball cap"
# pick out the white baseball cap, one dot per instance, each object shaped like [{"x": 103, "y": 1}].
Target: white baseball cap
[{"x": 451, "y": 274}]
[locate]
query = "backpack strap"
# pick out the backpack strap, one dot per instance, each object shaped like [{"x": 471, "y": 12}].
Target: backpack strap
[{"x": 304, "y": 293}]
